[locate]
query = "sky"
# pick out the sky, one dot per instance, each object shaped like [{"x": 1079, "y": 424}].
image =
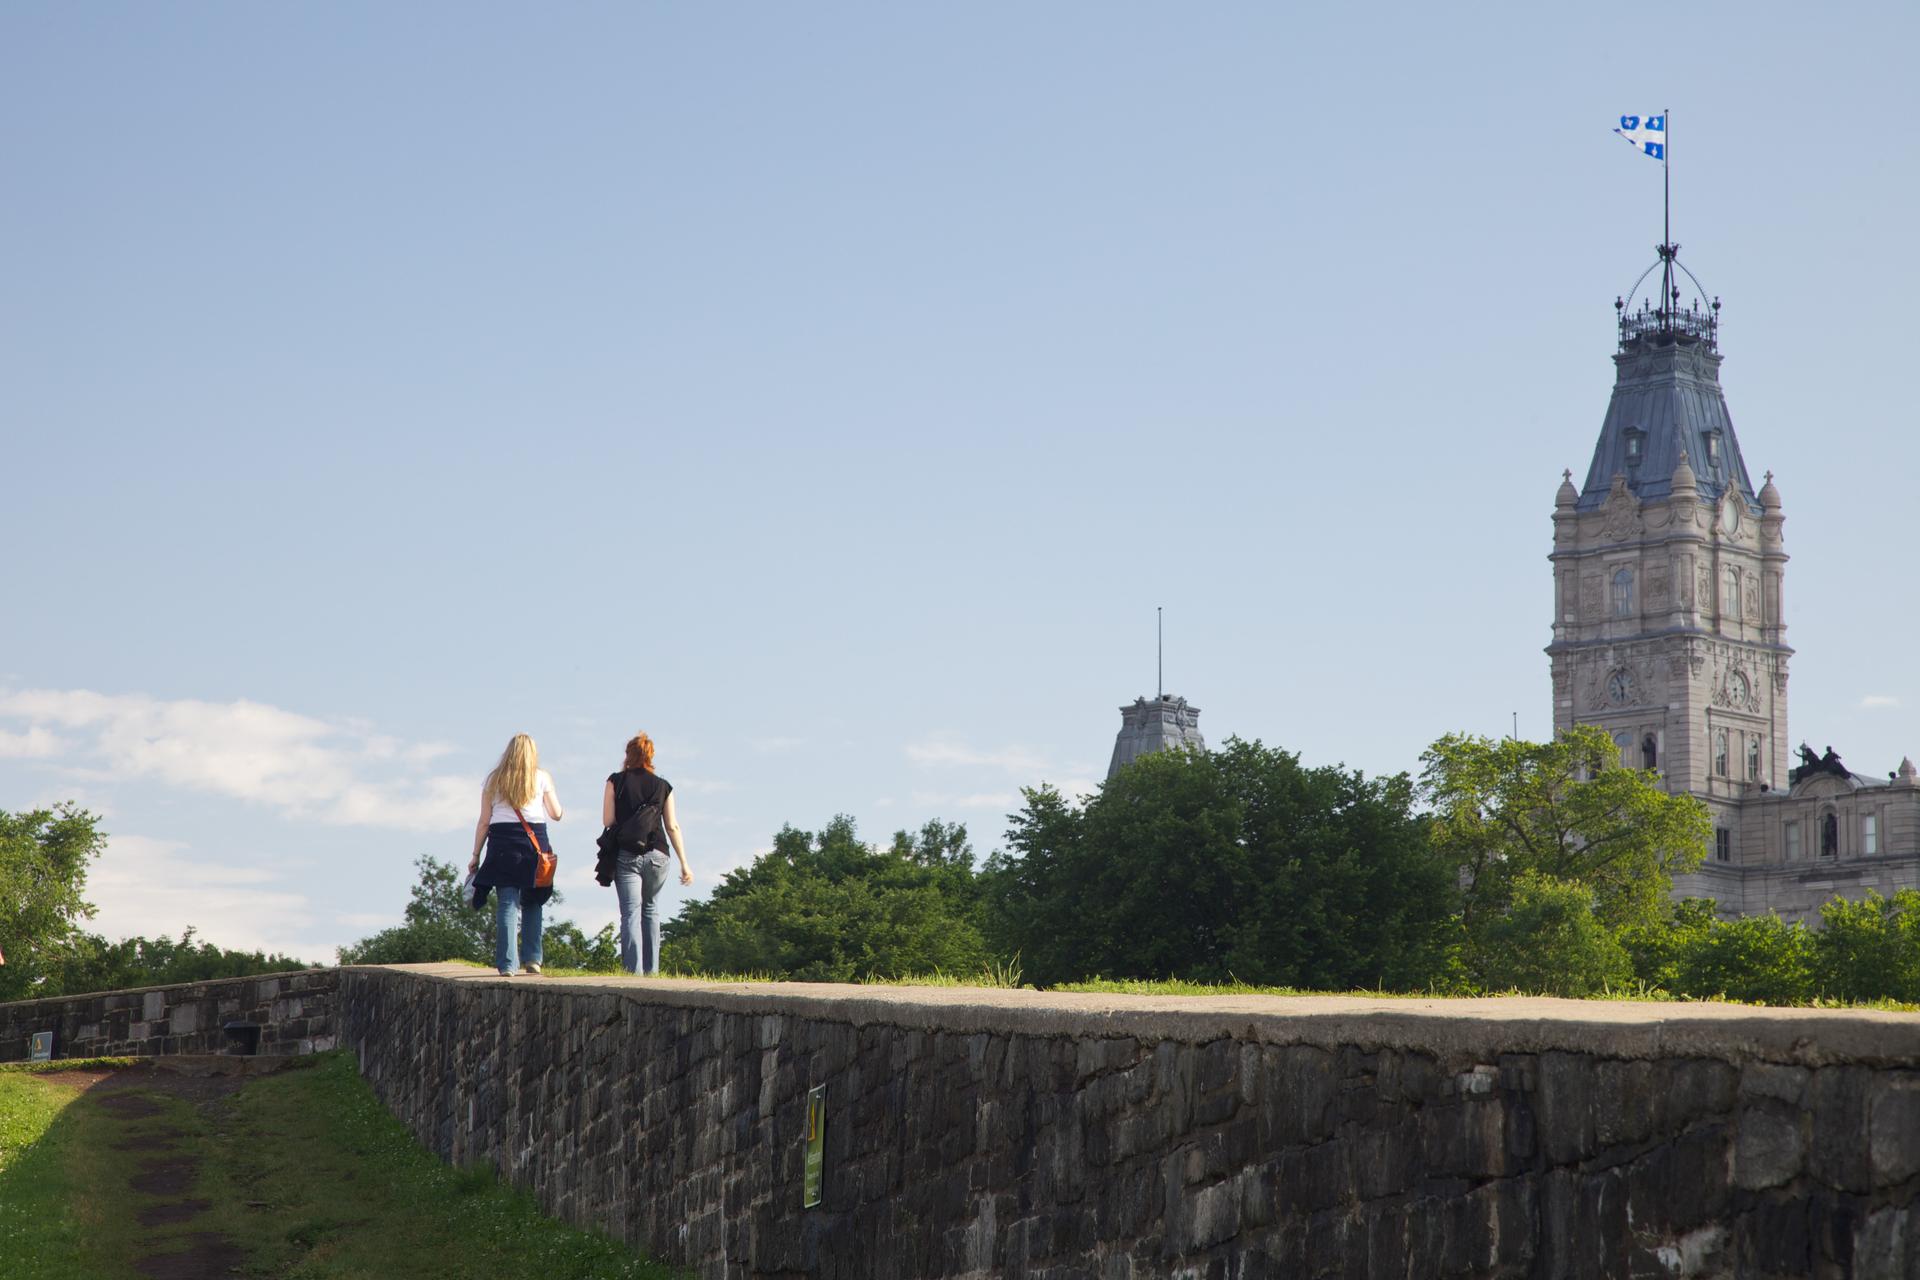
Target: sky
[{"x": 833, "y": 391}]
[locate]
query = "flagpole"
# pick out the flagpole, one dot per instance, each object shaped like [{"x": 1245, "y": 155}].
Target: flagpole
[{"x": 1666, "y": 217}]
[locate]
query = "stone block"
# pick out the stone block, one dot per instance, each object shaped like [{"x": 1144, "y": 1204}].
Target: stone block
[
  {"x": 1769, "y": 1149},
  {"x": 1772, "y": 1080},
  {"x": 153, "y": 1006},
  {"x": 1841, "y": 1154},
  {"x": 1894, "y": 1125}
]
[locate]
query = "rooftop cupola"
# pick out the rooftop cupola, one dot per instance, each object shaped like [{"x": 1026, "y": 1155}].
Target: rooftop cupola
[{"x": 1667, "y": 400}]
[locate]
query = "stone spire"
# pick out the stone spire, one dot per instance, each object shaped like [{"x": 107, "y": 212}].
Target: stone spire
[{"x": 1155, "y": 724}]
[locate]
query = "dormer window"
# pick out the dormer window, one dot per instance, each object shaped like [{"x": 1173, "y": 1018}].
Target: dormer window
[
  {"x": 1713, "y": 448},
  {"x": 1636, "y": 444}
]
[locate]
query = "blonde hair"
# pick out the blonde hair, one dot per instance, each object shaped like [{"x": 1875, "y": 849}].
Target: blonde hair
[{"x": 516, "y": 778}]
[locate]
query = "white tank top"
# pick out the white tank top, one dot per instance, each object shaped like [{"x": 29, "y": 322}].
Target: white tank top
[{"x": 535, "y": 812}]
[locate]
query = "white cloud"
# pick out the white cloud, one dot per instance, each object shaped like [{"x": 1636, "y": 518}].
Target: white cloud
[
  {"x": 945, "y": 753},
  {"x": 152, "y": 888},
  {"x": 1878, "y": 701},
  {"x": 998, "y": 802},
  {"x": 35, "y": 744},
  {"x": 341, "y": 773},
  {"x": 775, "y": 745}
]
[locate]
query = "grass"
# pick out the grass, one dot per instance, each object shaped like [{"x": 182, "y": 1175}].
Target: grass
[
  {"x": 1007, "y": 976},
  {"x": 67, "y": 1064},
  {"x": 305, "y": 1170}
]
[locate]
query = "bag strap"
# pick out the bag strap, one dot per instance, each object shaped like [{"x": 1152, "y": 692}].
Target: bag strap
[{"x": 537, "y": 850}]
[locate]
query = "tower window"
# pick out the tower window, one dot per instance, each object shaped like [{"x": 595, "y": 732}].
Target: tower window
[
  {"x": 1623, "y": 593},
  {"x": 1636, "y": 440},
  {"x": 1649, "y": 753},
  {"x": 1869, "y": 833},
  {"x": 1723, "y": 844},
  {"x": 1720, "y": 752},
  {"x": 1730, "y": 594},
  {"x": 1753, "y": 758}
]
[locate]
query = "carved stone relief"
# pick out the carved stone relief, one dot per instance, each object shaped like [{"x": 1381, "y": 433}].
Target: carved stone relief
[
  {"x": 1622, "y": 511},
  {"x": 1750, "y": 597},
  {"x": 1685, "y": 575},
  {"x": 1590, "y": 597},
  {"x": 1658, "y": 584}
]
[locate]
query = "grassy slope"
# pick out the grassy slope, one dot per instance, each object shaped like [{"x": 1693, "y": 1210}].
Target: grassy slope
[{"x": 305, "y": 1169}]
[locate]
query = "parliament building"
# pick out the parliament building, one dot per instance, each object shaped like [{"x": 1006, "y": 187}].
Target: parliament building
[{"x": 1670, "y": 633}]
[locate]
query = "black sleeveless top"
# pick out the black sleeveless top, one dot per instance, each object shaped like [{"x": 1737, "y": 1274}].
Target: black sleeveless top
[{"x": 634, "y": 788}]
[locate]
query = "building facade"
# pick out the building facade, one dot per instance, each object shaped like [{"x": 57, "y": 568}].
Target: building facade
[{"x": 1670, "y": 632}]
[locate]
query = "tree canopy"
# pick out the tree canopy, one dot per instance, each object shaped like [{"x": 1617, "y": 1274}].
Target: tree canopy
[
  {"x": 824, "y": 907},
  {"x": 1209, "y": 865},
  {"x": 1558, "y": 851},
  {"x": 44, "y": 856}
]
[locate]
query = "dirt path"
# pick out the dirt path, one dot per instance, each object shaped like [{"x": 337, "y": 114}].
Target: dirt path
[{"x": 160, "y": 1167}]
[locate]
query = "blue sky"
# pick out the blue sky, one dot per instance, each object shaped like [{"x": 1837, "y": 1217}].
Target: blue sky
[{"x": 834, "y": 390}]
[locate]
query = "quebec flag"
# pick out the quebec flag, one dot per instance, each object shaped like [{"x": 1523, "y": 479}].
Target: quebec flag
[{"x": 1648, "y": 134}]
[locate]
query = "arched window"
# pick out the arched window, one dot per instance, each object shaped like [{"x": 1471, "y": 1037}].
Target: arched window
[
  {"x": 1623, "y": 593},
  {"x": 1730, "y": 595},
  {"x": 1649, "y": 753},
  {"x": 1829, "y": 836},
  {"x": 1720, "y": 752},
  {"x": 1753, "y": 758}
]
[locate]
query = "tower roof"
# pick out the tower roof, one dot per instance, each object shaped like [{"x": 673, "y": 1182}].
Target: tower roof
[
  {"x": 1155, "y": 724},
  {"x": 1667, "y": 403}
]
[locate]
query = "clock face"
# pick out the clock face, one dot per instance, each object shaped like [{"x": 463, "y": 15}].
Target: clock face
[
  {"x": 1619, "y": 686},
  {"x": 1737, "y": 687}
]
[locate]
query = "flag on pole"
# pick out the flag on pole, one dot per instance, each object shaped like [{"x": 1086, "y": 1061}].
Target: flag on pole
[{"x": 1646, "y": 134}]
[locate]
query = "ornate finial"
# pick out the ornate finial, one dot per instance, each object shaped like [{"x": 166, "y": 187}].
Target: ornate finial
[
  {"x": 1567, "y": 475},
  {"x": 1769, "y": 477}
]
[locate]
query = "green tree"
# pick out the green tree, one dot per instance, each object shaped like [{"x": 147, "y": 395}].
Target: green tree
[
  {"x": 1762, "y": 959},
  {"x": 1870, "y": 950},
  {"x": 566, "y": 946},
  {"x": 827, "y": 908},
  {"x": 1657, "y": 947},
  {"x": 440, "y": 924},
  {"x": 1550, "y": 940},
  {"x": 1233, "y": 863},
  {"x": 99, "y": 965},
  {"x": 44, "y": 855},
  {"x": 1511, "y": 812}
]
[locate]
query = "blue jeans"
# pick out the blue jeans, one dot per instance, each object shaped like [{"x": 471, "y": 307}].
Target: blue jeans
[
  {"x": 638, "y": 879},
  {"x": 513, "y": 921}
]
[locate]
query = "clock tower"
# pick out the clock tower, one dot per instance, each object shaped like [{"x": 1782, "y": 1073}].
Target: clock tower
[{"x": 1668, "y": 627}]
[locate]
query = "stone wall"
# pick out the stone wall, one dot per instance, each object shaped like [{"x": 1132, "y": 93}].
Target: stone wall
[
  {"x": 976, "y": 1134},
  {"x": 295, "y": 1013}
]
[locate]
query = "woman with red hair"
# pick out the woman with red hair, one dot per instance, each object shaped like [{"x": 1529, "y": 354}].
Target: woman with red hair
[{"x": 638, "y": 810}]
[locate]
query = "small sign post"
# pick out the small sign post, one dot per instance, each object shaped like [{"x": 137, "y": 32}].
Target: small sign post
[
  {"x": 41, "y": 1047},
  {"x": 816, "y": 1145}
]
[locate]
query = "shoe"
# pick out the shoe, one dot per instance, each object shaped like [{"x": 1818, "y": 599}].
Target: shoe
[
  {"x": 506, "y": 973},
  {"x": 533, "y": 968}
]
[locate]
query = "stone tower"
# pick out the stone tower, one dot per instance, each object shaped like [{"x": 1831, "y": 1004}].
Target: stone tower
[
  {"x": 1668, "y": 630},
  {"x": 1154, "y": 724}
]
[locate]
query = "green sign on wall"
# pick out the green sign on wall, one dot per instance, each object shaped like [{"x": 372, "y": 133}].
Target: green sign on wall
[{"x": 816, "y": 1144}]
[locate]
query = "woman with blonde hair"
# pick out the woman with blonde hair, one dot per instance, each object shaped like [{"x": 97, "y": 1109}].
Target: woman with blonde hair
[
  {"x": 515, "y": 804},
  {"x": 637, "y": 811}
]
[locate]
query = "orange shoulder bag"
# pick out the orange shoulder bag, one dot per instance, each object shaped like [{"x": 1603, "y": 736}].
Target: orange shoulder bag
[{"x": 546, "y": 861}]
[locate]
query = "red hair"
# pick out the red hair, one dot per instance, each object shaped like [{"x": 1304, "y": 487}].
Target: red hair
[{"x": 640, "y": 752}]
